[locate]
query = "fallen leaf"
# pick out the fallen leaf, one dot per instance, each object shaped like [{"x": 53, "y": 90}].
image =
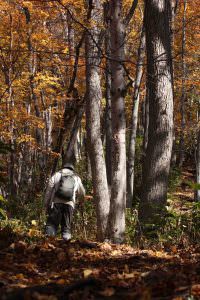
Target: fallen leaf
[
  {"x": 129, "y": 275},
  {"x": 106, "y": 247},
  {"x": 61, "y": 281},
  {"x": 34, "y": 223},
  {"x": 87, "y": 273},
  {"x": 61, "y": 256},
  {"x": 20, "y": 276},
  {"x": 108, "y": 292},
  {"x": 195, "y": 290},
  {"x": 116, "y": 252}
]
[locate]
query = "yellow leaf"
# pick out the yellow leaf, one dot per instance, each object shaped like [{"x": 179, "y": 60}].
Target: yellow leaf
[
  {"x": 34, "y": 223},
  {"x": 87, "y": 273},
  {"x": 129, "y": 275},
  {"x": 33, "y": 232}
]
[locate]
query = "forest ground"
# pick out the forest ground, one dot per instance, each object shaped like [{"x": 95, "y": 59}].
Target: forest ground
[{"x": 80, "y": 269}]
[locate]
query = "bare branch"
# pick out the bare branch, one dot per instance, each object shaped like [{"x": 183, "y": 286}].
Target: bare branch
[{"x": 130, "y": 13}]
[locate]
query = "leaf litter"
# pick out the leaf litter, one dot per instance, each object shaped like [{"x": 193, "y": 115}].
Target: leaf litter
[{"x": 53, "y": 269}]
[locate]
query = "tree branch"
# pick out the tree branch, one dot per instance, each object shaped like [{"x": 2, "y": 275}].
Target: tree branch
[{"x": 130, "y": 13}]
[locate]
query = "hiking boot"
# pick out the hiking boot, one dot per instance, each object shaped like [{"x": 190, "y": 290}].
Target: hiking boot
[
  {"x": 66, "y": 236},
  {"x": 50, "y": 230}
]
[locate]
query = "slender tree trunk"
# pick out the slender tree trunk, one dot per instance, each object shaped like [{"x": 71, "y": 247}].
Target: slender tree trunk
[
  {"x": 118, "y": 191},
  {"x": 174, "y": 8},
  {"x": 183, "y": 92},
  {"x": 146, "y": 123},
  {"x": 10, "y": 106},
  {"x": 108, "y": 118},
  {"x": 160, "y": 94},
  {"x": 69, "y": 154},
  {"x": 132, "y": 141},
  {"x": 70, "y": 106},
  {"x": 70, "y": 37},
  {"x": 93, "y": 96},
  {"x": 32, "y": 71},
  {"x": 197, "y": 193}
]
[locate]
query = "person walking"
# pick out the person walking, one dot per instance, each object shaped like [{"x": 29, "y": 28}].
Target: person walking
[{"x": 60, "y": 197}]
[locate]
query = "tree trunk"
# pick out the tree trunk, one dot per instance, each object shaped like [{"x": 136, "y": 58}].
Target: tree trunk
[
  {"x": 108, "y": 118},
  {"x": 160, "y": 132},
  {"x": 118, "y": 191},
  {"x": 132, "y": 141},
  {"x": 94, "y": 96},
  {"x": 146, "y": 123},
  {"x": 69, "y": 154},
  {"x": 10, "y": 107},
  {"x": 197, "y": 193},
  {"x": 183, "y": 92}
]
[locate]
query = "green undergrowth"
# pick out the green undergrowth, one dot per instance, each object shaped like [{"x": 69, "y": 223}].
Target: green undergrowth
[{"x": 181, "y": 219}]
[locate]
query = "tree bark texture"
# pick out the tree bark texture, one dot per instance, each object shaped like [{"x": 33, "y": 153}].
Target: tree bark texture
[
  {"x": 69, "y": 154},
  {"x": 134, "y": 121},
  {"x": 118, "y": 191},
  {"x": 160, "y": 94},
  {"x": 183, "y": 92},
  {"x": 108, "y": 117},
  {"x": 93, "y": 102}
]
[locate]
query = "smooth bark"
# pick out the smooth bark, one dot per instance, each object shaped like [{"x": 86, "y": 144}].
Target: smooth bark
[
  {"x": 118, "y": 191},
  {"x": 134, "y": 121}
]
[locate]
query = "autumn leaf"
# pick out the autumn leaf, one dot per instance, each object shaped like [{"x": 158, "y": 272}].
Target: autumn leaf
[
  {"x": 34, "y": 223},
  {"x": 107, "y": 292},
  {"x": 87, "y": 273}
]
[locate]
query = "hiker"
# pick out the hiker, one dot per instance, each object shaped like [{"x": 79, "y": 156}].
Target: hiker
[{"x": 60, "y": 197}]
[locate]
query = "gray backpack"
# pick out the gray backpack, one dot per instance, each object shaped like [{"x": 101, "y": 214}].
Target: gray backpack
[{"x": 66, "y": 187}]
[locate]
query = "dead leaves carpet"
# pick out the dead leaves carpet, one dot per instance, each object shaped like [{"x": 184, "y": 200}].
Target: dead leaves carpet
[{"x": 54, "y": 270}]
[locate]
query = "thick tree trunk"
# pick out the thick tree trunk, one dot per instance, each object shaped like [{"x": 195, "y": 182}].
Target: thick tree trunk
[
  {"x": 93, "y": 96},
  {"x": 132, "y": 141},
  {"x": 118, "y": 191},
  {"x": 160, "y": 94}
]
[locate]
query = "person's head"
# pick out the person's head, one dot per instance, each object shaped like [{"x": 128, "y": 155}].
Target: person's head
[{"x": 68, "y": 166}]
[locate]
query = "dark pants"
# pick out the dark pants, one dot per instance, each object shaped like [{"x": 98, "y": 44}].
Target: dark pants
[{"x": 60, "y": 214}]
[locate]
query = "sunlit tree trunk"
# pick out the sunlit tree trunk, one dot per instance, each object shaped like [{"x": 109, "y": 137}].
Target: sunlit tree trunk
[
  {"x": 156, "y": 163},
  {"x": 93, "y": 102},
  {"x": 132, "y": 141},
  {"x": 118, "y": 191}
]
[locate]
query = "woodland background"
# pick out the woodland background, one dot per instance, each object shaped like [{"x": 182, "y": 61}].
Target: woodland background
[
  {"x": 113, "y": 87},
  {"x": 59, "y": 77}
]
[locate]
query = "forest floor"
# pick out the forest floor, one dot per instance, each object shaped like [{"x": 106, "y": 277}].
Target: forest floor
[
  {"x": 53, "y": 269},
  {"x": 88, "y": 270}
]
